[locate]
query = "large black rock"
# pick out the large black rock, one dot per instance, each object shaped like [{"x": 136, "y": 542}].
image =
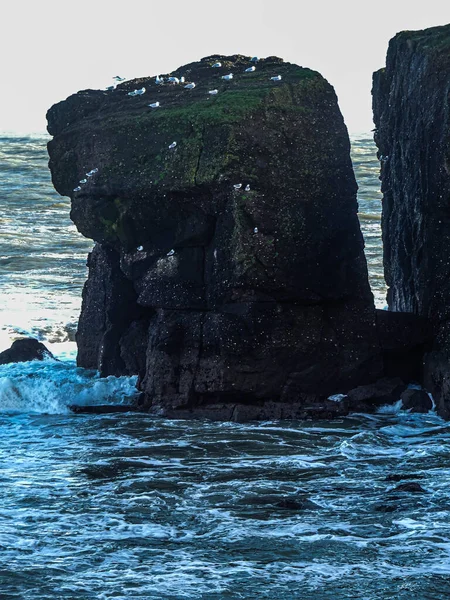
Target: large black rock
[
  {"x": 411, "y": 113},
  {"x": 220, "y": 295},
  {"x": 24, "y": 350}
]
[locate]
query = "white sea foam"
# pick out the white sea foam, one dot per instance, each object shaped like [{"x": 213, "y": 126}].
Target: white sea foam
[{"x": 50, "y": 386}]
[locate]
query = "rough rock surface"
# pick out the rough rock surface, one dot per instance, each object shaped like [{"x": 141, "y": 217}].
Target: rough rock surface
[
  {"x": 23, "y": 350},
  {"x": 252, "y": 297},
  {"x": 412, "y": 118},
  {"x": 404, "y": 338},
  {"x": 367, "y": 398},
  {"x": 416, "y": 400}
]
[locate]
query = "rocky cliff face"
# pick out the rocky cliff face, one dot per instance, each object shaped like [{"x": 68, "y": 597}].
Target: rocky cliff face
[
  {"x": 411, "y": 112},
  {"x": 229, "y": 267}
]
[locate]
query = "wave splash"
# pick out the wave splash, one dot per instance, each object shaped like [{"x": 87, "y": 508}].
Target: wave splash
[{"x": 49, "y": 387}]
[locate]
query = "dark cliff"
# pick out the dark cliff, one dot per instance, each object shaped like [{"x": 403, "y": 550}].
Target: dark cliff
[
  {"x": 219, "y": 295},
  {"x": 411, "y": 113}
]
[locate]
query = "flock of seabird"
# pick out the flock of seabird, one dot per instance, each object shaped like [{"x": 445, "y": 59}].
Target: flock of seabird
[
  {"x": 83, "y": 181},
  {"x": 189, "y": 86}
]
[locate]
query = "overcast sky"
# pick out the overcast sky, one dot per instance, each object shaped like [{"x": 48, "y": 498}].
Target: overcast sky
[{"x": 52, "y": 48}]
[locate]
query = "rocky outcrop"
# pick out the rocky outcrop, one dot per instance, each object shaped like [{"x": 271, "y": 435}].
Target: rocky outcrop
[
  {"x": 416, "y": 401},
  {"x": 24, "y": 350},
  {"x": 112, "y": 331},
  {"x": 229, "y": 270},
  {"x": 412, "y": 118}
]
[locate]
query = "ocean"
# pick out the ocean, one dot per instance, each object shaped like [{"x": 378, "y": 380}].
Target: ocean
[{"x": 128, "y": 506}]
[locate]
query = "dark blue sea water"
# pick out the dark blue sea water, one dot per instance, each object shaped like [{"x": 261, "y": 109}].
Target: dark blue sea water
[{"x": 128, "y": 507}]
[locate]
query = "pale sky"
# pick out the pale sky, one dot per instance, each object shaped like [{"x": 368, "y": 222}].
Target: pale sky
[{"x": 53, "y": 48}]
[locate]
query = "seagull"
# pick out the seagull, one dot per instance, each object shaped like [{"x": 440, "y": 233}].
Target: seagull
[
  {"x": 237, "y": 186},
  {"x": 174, "y": 80},
  {"x": 254, "y": 59},
  {"x": 117, "y": 78},
  {"x": 159, "y": 79},
  {"x": 247, "y": 187},
  {"x": 94, "y": 170},
  {"x": 154, "y": 105},
  {"x": 140, "y": 248},
  {"x": 189, "y": 86},
  {"x": 140, "y": 92},
  {"x": 171, "y": 253},
  {"x": 172, "y": 145},
  {"x": 255, "y": 230},
  {"x": 77, "y": 189},
  {"x": 181, "y": 79},
  {"x": 276, "y": 78},
  {"x": 250, "y": 70},
  {"x": 83, "y": 180},
  {"x": 217, "y": 65},
  {"x": 213, "y": 92},
  {"x": 227, "y": 77},
  {"x": 110, "y": 88},
  {"x": 133, "y": 93}
]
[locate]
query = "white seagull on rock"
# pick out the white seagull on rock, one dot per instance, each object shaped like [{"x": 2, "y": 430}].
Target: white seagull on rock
[
  {"x": 237, "y": 186},
  {"x": 83, "y": 180},
  {"x": 77, "y": 189},
  {"x": 213, "y": 92},
  {"x": 181, "y": 79},
  {"x": 255, "y": 230},
  {"x": 159, "y": 79},
  {"x": 140, "y": 248},
  {"x": 117, "y": 78},
  {"x": 110, "y": 88},
  {"x": 154, "y": 105},
  {"x": 276, "y": 78},
  {"x": 171, "y": 252},
  {"x": 173, "y": 80},
  {"x": 217, "y": 65},
  {"x": 189, "y": 86},
  {"x": 250, "y": 70},
  {"x": 140, "y": 92},
  {"x": 172, "y": 145},
  {"x": 227, "y": 77},
  {"x": 247, "y": 187},
  {"x": 254, "y": 59}
]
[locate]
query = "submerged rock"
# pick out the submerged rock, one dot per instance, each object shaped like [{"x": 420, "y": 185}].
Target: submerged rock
[
  {"x": 410, "y": 101},
  {"x": 24, "y": 350},
  {"x": 101, "y": 409},
  {"x": 411, "y": 486},
  {"x": 229, "y": 270}
]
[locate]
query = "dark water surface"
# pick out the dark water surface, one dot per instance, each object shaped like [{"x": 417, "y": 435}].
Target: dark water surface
[
  {"x": 128, "y": 507},
  {"x": 124, "y": 507}
]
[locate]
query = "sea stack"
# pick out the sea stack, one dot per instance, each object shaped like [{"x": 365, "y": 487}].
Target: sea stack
[
  {"x": 229, "y": 271},
  {"x": 411, "y": 113}
]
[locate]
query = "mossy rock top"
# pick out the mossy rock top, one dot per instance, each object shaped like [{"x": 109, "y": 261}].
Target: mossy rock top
[
  {"x": 177, "y": 104},
  {"x": 129, "y": 141}
]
